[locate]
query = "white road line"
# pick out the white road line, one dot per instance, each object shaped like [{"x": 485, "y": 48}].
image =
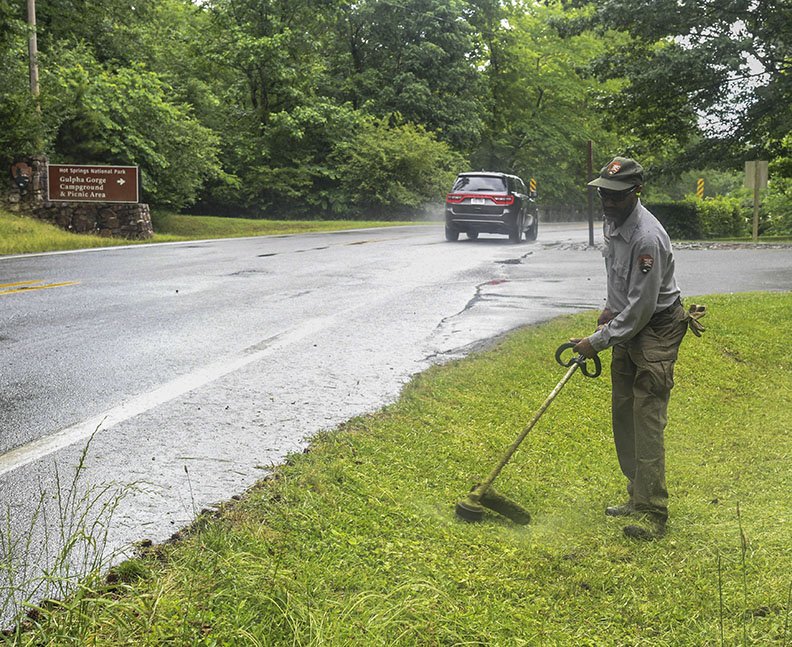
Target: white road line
[{"x": 140, "y": 404}]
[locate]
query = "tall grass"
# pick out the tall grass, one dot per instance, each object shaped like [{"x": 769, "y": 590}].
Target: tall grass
[
  {"x": 355, "y": 541},
  {"x": 61, "y": 546}
]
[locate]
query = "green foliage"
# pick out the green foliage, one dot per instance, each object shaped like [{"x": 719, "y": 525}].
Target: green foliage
[
  {"x": 693, "y": 68},
  {"x": 125, "y": 116},
  {"x": 291, "y": 175},
  {"x": 541, "y": 110},
  {"x": 411, "y": 58},
  {"x": 384, "y": 169},
  {"x": 110, "y": 28},
  {"x": 722, "y": 216},
  {"x": 680, "y": 219},
  {"x": 777, "y": 204},
  {"x": 682, "y": 185},
  {"x": 251, "y": 105},
  {"x": 777, "y": 207},
  {"x": 20, "y": 125},
  {"x": 356, "y": 542},
  {"x": 334, "y": 161},
  {"x": 712, "y": 217},
  {"x": 264, "y": 42}
]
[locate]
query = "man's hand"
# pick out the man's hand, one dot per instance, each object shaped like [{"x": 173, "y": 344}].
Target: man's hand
[{"x": 584, "y": 347}]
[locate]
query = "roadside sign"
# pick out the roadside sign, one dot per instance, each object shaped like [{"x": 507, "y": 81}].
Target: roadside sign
[
  {"x": 532, "y": 184},
  {"x": 92, "y": 183},
  {"x": 700, "y": 188},
  {"x": 756, "y": 174},
  {"x": 756, "y": 179}
]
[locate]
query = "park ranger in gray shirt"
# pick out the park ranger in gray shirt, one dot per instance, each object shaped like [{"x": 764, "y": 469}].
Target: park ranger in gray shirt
[
  {"x": 640, "y": 268},
  {"x": 644, "y": 323}
]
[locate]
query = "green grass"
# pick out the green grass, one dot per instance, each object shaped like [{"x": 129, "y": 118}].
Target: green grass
[
  {"x": 181, "y": 227},
  {"x": 355, "y": 542},
  {"x": 24, "y": 235}
]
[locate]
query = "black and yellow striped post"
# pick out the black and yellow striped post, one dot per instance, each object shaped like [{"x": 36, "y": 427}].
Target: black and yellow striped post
[
  {"x": 532, "y": 185},
  {"x": 700, "y": 188}
]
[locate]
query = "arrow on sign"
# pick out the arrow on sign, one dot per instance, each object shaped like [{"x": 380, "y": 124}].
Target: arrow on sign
[{"x": 121, "y": 181}]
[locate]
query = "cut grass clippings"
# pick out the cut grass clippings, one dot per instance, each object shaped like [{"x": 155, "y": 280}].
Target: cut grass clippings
[
  {"x": 25, "y": 235},
  {"x": 355, "y": 542}
]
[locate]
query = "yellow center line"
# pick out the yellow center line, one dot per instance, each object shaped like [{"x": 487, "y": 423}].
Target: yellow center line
[
  {"x": 28, "y": 287},
  {"x": 13, "y": 285}
]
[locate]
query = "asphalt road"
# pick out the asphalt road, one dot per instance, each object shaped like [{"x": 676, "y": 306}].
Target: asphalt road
[{"x": 193, "y": 368}]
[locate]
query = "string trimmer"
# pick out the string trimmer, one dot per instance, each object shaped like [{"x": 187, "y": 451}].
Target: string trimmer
[{"x": 471, "y": 508}]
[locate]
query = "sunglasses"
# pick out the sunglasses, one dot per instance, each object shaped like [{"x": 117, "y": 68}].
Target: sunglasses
[{"x": 614, "y": 196}]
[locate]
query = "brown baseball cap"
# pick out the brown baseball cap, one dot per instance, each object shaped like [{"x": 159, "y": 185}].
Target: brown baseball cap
[{"x": 620, "y": 174}]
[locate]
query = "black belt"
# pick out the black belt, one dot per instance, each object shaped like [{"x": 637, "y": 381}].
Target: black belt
[{"x": 676, "y": 304}]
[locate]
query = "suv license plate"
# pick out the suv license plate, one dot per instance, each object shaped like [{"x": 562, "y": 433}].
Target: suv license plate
[{"x": 478, "y": 200}]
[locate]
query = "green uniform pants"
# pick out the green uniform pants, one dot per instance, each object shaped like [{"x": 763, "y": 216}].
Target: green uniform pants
[{"x": 642, "y": 376}]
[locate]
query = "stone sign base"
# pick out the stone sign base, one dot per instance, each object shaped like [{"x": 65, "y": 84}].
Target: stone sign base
[{"x": 130, "y": 221}]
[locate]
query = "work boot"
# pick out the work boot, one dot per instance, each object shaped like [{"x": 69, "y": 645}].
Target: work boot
[
  {"x": 624, "y": 510},
  {"x": 647, "y": 528}
]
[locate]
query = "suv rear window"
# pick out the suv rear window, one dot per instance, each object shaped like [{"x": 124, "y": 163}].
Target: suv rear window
[{"x": 475, "y": 183}]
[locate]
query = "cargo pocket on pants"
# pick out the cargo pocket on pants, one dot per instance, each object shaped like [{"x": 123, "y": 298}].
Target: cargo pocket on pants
[{"x": 659, "y": 341}]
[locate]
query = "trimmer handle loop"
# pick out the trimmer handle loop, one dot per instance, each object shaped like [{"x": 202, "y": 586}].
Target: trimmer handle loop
[{"x": 580, "y": 360}]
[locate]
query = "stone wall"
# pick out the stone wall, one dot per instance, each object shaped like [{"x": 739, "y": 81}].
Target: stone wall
[
  {"x": 123, "y": 220},
  {"x": 130, "y": 221}
]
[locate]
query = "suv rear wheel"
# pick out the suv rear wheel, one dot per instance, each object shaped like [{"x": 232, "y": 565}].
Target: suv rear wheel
[
  {"x": 515, "y": 235},
  {"x": 451, "y": 234},
  {"x": 533, "y": 231}
]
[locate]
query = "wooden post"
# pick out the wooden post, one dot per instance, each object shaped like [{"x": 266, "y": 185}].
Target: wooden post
[
  {"x": 590, "y": 172},
  {"x": 756, "y": 180}
]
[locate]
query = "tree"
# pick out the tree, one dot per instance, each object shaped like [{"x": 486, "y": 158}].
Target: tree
[
  {"x": 125, "y": 116},
  {"x": 720, "y": 67},
  {"x": 411, "y": 58},
  {"x": 386, "y": 170},
  {"x": 272, "y": 47},
  {"x": 541, "y": 101},
  {"x": 109, "y": 28}
]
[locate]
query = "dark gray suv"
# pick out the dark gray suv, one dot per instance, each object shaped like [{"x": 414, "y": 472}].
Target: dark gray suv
[{"x": 489, "y": 202}]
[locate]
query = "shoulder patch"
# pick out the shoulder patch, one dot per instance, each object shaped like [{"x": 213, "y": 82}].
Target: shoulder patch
[{"x": 645, "y": 263}]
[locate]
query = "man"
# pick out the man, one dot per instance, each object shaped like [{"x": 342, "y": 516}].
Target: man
[{"x": 644, "y": 323}]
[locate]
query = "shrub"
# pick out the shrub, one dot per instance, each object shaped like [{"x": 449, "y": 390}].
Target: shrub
[
  {"x": 722, "y": 216},
  {"x": 386, "y": 170},
  {"x": 680, "y": 219},
  {"x": 778, "y": 206},
  {"x": 714, "y": 217}
]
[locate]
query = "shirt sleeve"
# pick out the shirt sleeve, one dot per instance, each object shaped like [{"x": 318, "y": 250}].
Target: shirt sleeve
[{"x": 643, "y": 290}]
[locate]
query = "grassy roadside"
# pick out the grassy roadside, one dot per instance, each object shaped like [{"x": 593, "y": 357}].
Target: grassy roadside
[
  {"x": 22, "y": 235},
  {"x": 355, "y": 542}
]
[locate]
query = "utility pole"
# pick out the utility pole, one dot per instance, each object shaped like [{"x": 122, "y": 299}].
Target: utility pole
[{"x": 33, "y": 51}]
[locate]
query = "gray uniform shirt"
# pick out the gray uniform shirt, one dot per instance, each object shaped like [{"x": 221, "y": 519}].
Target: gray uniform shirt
[{"x": 640, "y": 266}]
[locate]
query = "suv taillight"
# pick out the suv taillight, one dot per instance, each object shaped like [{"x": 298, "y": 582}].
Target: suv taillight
[{"x": 459, "y": 198}]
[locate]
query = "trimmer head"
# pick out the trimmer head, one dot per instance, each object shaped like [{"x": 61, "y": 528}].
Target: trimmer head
[
  {"x": 469, "y": 510},
  {"x": 504, "y": 505}
]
